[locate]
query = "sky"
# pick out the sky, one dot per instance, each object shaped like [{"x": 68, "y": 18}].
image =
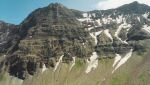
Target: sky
[
  {"x": 109, "y": 4},
  {"x": 15, "y": 11}
]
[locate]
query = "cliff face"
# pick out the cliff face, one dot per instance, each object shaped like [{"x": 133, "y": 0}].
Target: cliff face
[
  {"x": 47, "y": 34},
  {"x": 8, "y": 36},
  {"x": 55, "y": 33}
]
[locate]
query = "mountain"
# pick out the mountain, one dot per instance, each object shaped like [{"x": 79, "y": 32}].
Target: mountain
[
  {"x": 60, "y": 44},
  {"x": 8, "y": 37}
]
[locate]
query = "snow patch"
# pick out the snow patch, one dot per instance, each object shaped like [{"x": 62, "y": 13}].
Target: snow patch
[
  {"x": 139, "y": 19},
  {"x": 85, "y": 15},
  {"x": 57, "y": 63},
  {"x": 92, "y": 62},
  {"x": 123, "y": 60},
  {"x": 99, "y": 22},
  {"x": 108, "y": 34},
  {"x": 119, "y": 19},
  {"x": 106, "y": 20},
  {"x": 90, "y": 28},
  {"x": 43, "y": 68},
  {"x": 146, "y": 16},
  {"x": 85, "y": 19},
  {"x": 146, "y": 28},
  {"x": 94, "y": 35},
  {"x": 117, "y": 59}
]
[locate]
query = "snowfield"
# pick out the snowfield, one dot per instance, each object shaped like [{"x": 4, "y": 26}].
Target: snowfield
[
  {"x": 123, "y": 60},
  {"x": 92, "y": 62}
]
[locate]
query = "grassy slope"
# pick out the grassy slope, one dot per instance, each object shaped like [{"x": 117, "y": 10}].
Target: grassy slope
[{"x": 134, "y": 72}]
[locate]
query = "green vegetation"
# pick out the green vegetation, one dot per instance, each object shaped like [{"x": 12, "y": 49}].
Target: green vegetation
[
  {"x": 79, "y": 63},
  {"x": 142, "y": 77},
  {"x": 2, "y": 77}
]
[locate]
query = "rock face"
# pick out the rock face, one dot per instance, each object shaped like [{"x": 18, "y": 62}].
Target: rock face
[
  {"x": 8, "y": 36},
  {"x": 53, "y": 31}
]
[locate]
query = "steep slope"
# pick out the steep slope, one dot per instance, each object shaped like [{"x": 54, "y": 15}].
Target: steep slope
[
  {"x": 64, "y": 45},
  {"x": 8, "y": 34},
  {"x": 46, "y": 35}
]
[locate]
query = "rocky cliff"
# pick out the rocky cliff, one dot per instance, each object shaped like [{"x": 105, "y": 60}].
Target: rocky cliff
[{"x": 55, "y": 34}]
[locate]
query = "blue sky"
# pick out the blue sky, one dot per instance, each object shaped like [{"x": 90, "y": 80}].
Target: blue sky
[{"x": 15, "y": 11}]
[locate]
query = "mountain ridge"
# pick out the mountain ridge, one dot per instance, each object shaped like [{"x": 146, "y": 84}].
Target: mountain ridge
[{"x": 55, "y": 34}]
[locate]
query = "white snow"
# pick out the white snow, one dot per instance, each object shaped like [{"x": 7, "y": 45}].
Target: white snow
[
  {"x": 90, "y": 28},
  {"x": 73, "y": 62},
  {"x": 98, "y": 33},
  {"x": 89, "y": 15},
  {"x": 94, "y": 35},
  {"x": 98, "y": 22},
  {"x": 146, "y": 28},
  {"x": 119, "y": 19},
  {"x": 123, "y": 60},
  {"x": 146, "y": 16},
  {"x": 106, "y": 20},
  {"x": 117, "y": 59},
  {"x": 84, "y": 19},
  {"x": 108, "y": 34},
  {"x": 124, "y": 25},
  {"x": 92, "y": 63},
  {"x": 43, "y": 68},
  {"x": 57, "y": 63},
  {"x": 85, "y": 15},
  {"x": 139, "y": 19}
]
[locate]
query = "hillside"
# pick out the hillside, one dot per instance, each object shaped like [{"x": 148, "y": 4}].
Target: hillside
[{"x": 56, "y": 45}]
